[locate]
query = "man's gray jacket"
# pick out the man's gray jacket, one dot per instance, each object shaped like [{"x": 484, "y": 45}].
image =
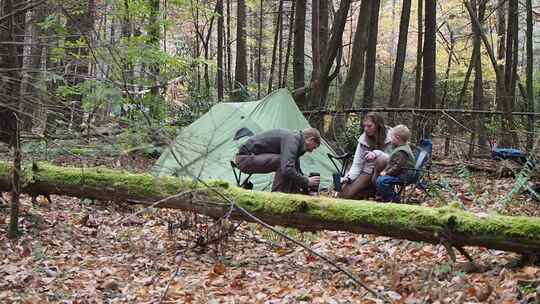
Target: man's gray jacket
[{"x": 290, "y": 145}]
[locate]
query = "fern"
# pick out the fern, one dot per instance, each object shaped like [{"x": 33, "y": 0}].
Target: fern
[
  {"x": 521, "y": 183},
  {"x": 436, "y": 190},
  {"x": 467, "y": 176}
]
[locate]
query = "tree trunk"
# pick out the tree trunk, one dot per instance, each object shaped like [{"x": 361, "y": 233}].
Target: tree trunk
[
  {"x": 400, "y": 58},
  {"x": 289, "y": 45},
  {"x": 299, "y": 53},
  {"x": 30, "y": 92},
  {"x": 447, "y": 225},
  {"x": 280, "y": 43},
  {"x": 315, "y": 48},
  {"x": 13, "y": 231},
  {"x": 529, "y": 72},
  {"x": 418, "y": 74},
  {"x": 229, "y": 52},
  {"x": 240, "y": 72},
  {"x": 153, "y": 38},
  {"x": 277, "y": 41},
  {"x": 79, "y": 24},
  {"x": 259, "y": 49},
  {"x": 511, "y": 50},
  {"x": 356, "y": 68},
  {"x": 220, "y": 40},
  {"x": 127, "y": 31},
  {"x": 502, "y": 98},
  {"x": 501, "y": 29},
  {"x": 371, "y": 55},
  {"x": 323, "y": 28},
  {"x": 429, "y": 76},
  {"x": 204, "y": 34},
  {"x": 478, "y": 90},
  {"x": 319, "y": 88},
  {"x": 11, "y": 54}
]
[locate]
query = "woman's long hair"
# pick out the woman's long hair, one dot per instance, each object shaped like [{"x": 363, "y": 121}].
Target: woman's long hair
[{"x": 380, "y": 134}]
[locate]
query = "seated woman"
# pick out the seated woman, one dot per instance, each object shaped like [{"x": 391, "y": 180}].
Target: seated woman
[{"x": 370, "y": 158}]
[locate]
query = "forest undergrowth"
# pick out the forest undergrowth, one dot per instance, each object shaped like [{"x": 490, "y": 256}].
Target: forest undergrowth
[{"x": 83, "y": 251}]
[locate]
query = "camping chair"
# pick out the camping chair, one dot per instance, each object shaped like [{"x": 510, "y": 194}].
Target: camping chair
[
  {"x": 520, "y": 157},
  {"x": 345, "y": 161},
  {"x": 508, "y": 153},
  {"x": 246, "y": 183},
  {"x": 423, "y": 153}
]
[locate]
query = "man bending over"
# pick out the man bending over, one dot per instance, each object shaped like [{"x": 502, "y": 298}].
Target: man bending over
[{"x": 279, "y": 150}]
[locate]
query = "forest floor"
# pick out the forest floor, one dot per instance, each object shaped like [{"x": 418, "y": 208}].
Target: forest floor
[{"x": 82, "y": 251}]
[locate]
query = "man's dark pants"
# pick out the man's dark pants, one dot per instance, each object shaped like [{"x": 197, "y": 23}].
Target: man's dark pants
[{"x": 267, "y": 163}]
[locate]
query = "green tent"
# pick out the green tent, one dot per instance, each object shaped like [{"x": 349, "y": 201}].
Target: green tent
[{"x": 206, "y": 147}]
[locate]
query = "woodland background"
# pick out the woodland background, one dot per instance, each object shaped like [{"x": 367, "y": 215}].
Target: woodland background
[{"x": 87, "y": 83}]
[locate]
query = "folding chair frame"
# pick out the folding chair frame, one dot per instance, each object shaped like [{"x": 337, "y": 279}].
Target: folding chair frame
[
  {"x": 246, "y": 184},
  {"x": 345, "y": 161},
  {"x": 422, "y": 161}
]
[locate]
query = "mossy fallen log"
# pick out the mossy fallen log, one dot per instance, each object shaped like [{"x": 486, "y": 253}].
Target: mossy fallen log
[{"x": 434, "y": 225}]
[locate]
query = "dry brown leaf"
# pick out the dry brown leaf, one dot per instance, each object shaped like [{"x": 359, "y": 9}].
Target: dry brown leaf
[
  {"x": 110, "y": 284},
  {"x": 531, "y": 271},
  {"x": 219, "y": 268},
  {"x": 484, "y": 293}
]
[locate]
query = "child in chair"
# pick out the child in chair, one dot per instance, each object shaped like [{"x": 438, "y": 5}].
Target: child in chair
[{"x": 400, "y": 168}]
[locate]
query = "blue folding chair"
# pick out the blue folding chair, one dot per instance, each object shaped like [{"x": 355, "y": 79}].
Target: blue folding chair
[
  {"x": 509, "y": 153},
  {"x": 423, "y": 153},
  {"x": 520, "y": 157}
]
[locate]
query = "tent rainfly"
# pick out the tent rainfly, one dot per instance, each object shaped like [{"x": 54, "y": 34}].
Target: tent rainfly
[{"x": 206, "y": 147}]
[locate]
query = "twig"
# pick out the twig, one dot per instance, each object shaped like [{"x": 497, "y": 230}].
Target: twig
[
  {"x": 22, "y": 10},
  {"x": 264, "y": 224},
  {"x": 153, "y": 205},
  {"x": 169, "y": 284}
]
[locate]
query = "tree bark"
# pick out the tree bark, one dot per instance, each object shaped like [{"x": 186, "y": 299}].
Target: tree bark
[
  {"x": 220, "y": 40},
  {"x": 447, "y": 225},
  {"x": 429, "y": 77},
  {"x": 478, "y": 90},
  {"x": 11, "y": 54},
  {"x": 319, "y": 88},
  {"x": 400, "y": 58},
  {"x": 418, "y": 74},
  {"x": 240, "y": 71},
  {"x": 80, "y": 24},
  {"x": 356, "y": 68},
  {"x": 315, "y": 47},
  {"x": 299, "y": 53},
  {"x": 507, "y": 127},
  {"x": 511, "y": 34},
  {"x": 371, "y": 54},
  {"x": 323, "y": 28},
  {"x": 259, "y": 49},
  {"x": 501, "y": 29},
  {"x": 277, "y": 41},
  {"x": 229, "y": 52},
  {"x": 289, "y": 44},
  {"x": 32, "y": 67},
  {"x": 529, "y": 72}
]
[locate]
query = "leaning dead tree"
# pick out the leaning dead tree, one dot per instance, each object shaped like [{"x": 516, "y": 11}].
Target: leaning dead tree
[{"x": 448, "y": 226}]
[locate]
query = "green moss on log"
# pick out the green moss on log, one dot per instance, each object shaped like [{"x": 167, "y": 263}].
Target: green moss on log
[{"x": 495, "y": 231}]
